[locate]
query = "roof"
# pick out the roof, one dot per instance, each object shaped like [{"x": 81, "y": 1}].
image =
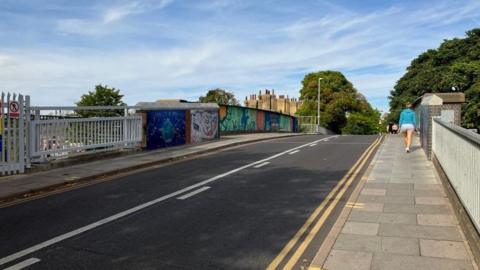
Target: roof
[
  {"x": 447, "y": 98},
  {"x": 172, "y": 104}
]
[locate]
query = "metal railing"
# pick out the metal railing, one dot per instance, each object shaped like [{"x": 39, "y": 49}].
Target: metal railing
[
  {"x": 12, "y": 133},
  {"x": 54, "y": 138},
  {"x": 307, "y": 124},
  {"x": 458, "y": 152}
]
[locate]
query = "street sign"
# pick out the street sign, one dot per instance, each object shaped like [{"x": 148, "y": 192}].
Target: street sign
[{"x": 14, "y": 109}]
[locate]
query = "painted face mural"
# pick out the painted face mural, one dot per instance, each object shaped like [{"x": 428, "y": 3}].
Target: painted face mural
[{"x": 204, "y": 125}]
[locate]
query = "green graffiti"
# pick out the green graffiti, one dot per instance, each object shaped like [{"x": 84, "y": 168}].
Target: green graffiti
[
  {"x": 285, "y": 123},
  {"x": 239, "y": 120}
]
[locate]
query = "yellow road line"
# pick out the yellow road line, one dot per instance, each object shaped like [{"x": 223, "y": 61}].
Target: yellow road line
[
  {"x": 303, "y": 246},
  {"x": 283, "y": 253}
]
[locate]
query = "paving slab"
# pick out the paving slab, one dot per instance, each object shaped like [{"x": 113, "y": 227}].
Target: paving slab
[
  {"x": 443, "y": 249},
  {"x": 388, "y": 261},
  {"x": 357, "y": 242},
  {"x": 362, "y": 228},
  {"x": 420, "y": 231},
  {"x": 348, "y": 260},
  {"x": 406, "y": 246},
  {"x": 437, "y": 220}
]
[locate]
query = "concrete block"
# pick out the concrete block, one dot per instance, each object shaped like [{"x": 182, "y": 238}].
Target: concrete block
[
  {"x": 400, "y": 192},
  {"x": 431, "y": 200},
  {"x": 386, "y": 261},
  {"x": 407, "y": 246},
  {"x": 373, "y": 191},
  {"x": 370, "y": 207},
  {"x": 370, "y": 199},
  {"x": 437, "y": 220},
  {"x": 364, "y": 216},
  {"x": 398, "y": 218},
  {"x": 429, "y": 193},
  {"x": 355, "y": 242},
  {"x": 416, "y": 209},
  {"x": 443, "y": 249},
  {"x": 389, "y": 186},
  {"x": 420, "y": 231},
  {"x": 362, "y": 228},
  {"x": 348, "y": 260},
  {"x": 419, "y": 186},
  {"x": 399, "y": 199}
]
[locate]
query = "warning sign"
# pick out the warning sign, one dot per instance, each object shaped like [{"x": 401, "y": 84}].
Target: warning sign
[{"x": 14, "y": 109}]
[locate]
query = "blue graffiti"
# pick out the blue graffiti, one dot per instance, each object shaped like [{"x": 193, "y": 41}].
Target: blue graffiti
[{"x": 165, "y": 128}]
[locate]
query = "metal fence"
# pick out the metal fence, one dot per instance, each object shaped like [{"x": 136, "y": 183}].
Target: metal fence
[
  {"x": 59, "y": 137},
  {"x": 12, "y": 133},
  {"x": 307, "y": 124},
  {"x": 458, "y": 152}
]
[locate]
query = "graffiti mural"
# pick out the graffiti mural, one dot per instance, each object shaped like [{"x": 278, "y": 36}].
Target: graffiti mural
[
  {"x": 271, "y": 121},
  {"x": 260, "y": 121},
  {"x": 285, "y": 123},
  {"x": 204, "y": 125},
  {"x": 237, "y": 119},
  {"x": 165, "y": 128}
]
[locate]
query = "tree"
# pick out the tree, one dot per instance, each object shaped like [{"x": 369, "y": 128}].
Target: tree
[
  {"x": 219, "y": 96},
  {"x": 456, "y": 63},
  {"x": 338, "y": 98},
  {"x": 360, "y": 123},
  {"x": 102, "y": 96}
]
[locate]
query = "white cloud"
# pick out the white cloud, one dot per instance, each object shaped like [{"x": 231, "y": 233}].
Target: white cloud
[
  {"x": 110, "y": 15},
  {"x": 373, "y": 49}
]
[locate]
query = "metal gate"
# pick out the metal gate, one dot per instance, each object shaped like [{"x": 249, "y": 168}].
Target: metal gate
[{"x": 13, "y": 132}]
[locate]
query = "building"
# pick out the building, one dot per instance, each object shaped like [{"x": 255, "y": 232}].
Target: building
[{"x": 267, "y": 100}]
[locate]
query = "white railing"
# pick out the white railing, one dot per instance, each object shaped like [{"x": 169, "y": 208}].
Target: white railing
[
  {"x": 458, "y": 152},
  {"x": 13, "y": 149},
  {"x": 61, "y": 137}
]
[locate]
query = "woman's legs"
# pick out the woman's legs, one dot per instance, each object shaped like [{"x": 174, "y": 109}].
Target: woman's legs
[
  {"x": 409, "y": 138},
  {"x": 405, "y": 139}
]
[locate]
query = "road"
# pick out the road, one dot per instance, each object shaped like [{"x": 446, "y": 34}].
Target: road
[{"x": 234, "y": 209}]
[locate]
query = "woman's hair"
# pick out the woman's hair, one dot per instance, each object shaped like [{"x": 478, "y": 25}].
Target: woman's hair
[{"x": 408, "y": 104}]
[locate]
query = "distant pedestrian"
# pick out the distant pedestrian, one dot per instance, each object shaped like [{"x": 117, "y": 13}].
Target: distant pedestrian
[
  {"x": 394, "y": 129},
  {"x": 408, "y": 123}
]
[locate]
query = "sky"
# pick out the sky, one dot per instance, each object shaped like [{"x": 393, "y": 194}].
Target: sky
[{"x": 57, "y": 50}]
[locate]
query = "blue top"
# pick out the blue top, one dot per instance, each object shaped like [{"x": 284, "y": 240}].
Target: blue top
[{"x": 407, "y": 116}]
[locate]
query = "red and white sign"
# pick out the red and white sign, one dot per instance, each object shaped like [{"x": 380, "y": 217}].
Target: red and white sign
[{"x": 14, "y": 109}]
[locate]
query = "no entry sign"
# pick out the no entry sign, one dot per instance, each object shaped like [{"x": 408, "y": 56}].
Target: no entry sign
[{"x": 14, "y": 109}]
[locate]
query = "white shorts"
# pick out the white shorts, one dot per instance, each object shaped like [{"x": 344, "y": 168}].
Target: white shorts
[{"x": 407, "y": 127}]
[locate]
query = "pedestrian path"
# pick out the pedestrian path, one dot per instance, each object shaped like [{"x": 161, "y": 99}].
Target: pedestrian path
[{"x": 401, "y": 219}]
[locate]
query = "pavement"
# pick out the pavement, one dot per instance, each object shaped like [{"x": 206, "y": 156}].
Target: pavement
[
  {"x": 25, "y": 185},
  {"x": 398, "y": 218},
  {"x": 233, "y": 209}
]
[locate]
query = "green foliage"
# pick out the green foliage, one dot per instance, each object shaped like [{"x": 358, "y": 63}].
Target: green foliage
[
  {"x": 219, "y": 96},
  {"x": 456, "y": 63},
  {"x": 361, "y": 123},
  {"x": 102, "y": 96},
  {"x": 338, "y": 98}
]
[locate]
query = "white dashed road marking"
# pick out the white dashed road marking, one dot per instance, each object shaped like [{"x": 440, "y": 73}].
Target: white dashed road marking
[
  {"x": 193, "y": 193},
  {"x": 23, "y": 264}
]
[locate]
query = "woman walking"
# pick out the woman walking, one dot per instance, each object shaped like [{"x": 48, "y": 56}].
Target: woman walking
[{"x": 408, "y": 123}]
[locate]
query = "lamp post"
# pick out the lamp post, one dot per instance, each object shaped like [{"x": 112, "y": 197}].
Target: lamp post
[{"x": 318, "y": 107}]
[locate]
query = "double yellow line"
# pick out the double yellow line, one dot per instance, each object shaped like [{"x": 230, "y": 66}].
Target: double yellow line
[{"x": 342, "y": 185}]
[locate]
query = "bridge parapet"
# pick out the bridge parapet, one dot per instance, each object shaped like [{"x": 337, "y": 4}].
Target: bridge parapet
[{"x": 446, "y": 106}]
